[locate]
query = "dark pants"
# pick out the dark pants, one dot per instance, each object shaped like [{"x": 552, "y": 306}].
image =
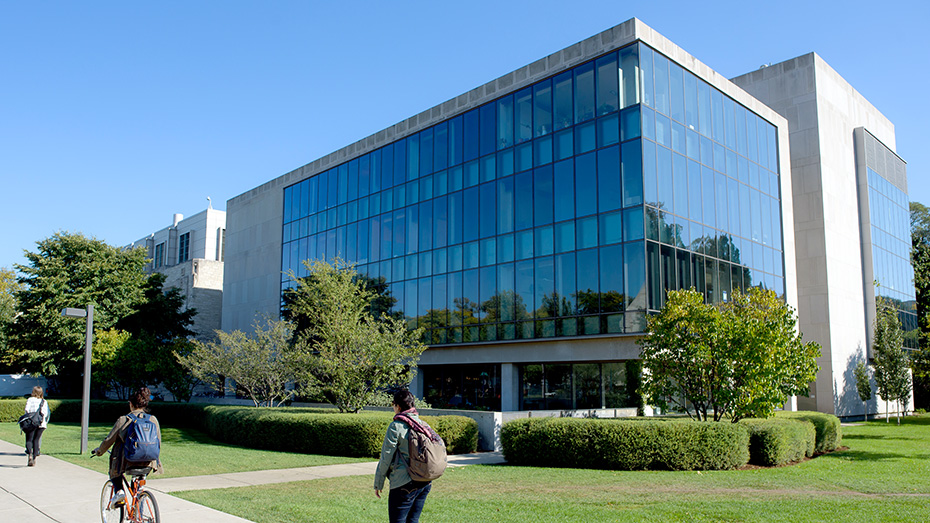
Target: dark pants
[
  {"x": 34, "y": 441},
  {"x": 406, "y": 502}
]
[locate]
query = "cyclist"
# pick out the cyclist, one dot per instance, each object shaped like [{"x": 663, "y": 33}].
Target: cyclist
[{"x": 118, "y": 464}]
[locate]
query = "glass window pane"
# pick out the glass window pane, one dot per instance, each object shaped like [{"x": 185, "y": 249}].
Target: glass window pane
[
  {"x": 660, "y": 67},
  {"x": 585, "y": 184},
  {"x": 587, "y": 276},
  {"x": 630, "y": 124},
  {"x": 629, "y": 75},
  {"x": 564, "y": 187},
  {"x": 607, "y": 84},
  {"x": 632, "y": 172},
  {"x": 608, "y": 179},
  {"x": 633, "y": 228},
  {"x": 523, "y": 203},
  {"x": 542, "y": 195},
  {"x": 610, "y": 228},
  {"x": 524, "y": 115},
  {"x": 565, "y": 236},
  {"x": 650, "y": 182},
  {"x": 564, "y": 112},
  {"x": 584, "y": 92},
  {"x": 542, "y": 108},
  {"x": 587, "y": 232},
  {"x": 645, "y": 64},
  {"x": 505, "y": 122},
  {"x": 487, "y": 216}
]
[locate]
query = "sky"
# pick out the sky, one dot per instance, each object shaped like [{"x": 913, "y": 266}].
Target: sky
[{"x": 116, "y": 115}]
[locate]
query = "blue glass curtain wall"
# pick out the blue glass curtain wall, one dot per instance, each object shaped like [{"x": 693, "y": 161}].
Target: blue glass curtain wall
[
  {"x": 891, "y": 250},
  {"x": 566, "y": 208}
]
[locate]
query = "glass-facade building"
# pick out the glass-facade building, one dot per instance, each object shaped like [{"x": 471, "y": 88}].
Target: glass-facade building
[{"x": 563, "y": 209}]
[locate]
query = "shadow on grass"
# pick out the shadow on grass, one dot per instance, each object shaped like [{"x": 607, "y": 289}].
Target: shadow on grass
[
  {"x": 878, "y": 436},
  {"x": 862, "y": 455}
]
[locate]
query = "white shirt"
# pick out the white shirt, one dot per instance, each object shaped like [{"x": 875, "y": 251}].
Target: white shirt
[{"x": 33, "y": 404}]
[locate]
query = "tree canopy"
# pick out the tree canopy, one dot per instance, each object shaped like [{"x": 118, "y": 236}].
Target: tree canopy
[
  {"x": 352, "y": 354},
  {"x": 742, "y": 358},
  {"x": 8, "y": 311},
  {"x": 71, "y": 270},
  {"x": 262, "y": 364},
  {"x": 892, "y": 375}
]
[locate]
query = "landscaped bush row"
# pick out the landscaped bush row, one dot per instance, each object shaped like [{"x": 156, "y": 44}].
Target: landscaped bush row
[
  {"x": 779, "y": 441},
  {"x": 312, "y": 431},
  {"x": 829, "y": 433},
  {"x": 625, "y": 445},
  {"x": 326, "y": 432}
]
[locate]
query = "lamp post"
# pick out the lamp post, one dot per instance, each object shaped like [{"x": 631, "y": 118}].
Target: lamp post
[{"x": 88, "y": 340}]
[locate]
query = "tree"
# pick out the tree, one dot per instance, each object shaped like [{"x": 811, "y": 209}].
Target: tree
[
  {"x": 892, "y": 375},
  {"x": 70, "y": 270},
  {"x": 352, "y": 355},
  {"x": 742, "y": 358},
  {"x": 8, "y": 311},
  {"x": 863, "y": 386},
  {"x": 262, "y": 364},
  {"x": 920, "y": 259},
  {"x": 160, "y": 330}
]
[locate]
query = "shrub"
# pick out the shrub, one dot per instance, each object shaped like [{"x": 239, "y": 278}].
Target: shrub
[
  {"x": 829, "y": 433},
  {"x": 625, "y": 445},
  {"x": 311, "y": 431},
  {"x": 318, "y": 431},
  {"x": 779, "y": 441}
]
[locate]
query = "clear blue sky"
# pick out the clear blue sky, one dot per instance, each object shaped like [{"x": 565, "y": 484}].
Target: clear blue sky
[{"x": 115, "y": 115}]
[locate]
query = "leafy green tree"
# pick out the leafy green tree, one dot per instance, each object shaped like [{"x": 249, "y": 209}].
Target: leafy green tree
[
  {"x": 70, "y": 270},
  {"x": 263, "y": 364},
  {"x": 863, "y": 386},
  {"x": 353, "y": 355},
  {"x": 892, "y": 375},
  {"x": 742, "y": 358},
  {"x": 8, "y": 311},
  {"x": 920, "y": 259},
  {"x": 160, "y": 328}
]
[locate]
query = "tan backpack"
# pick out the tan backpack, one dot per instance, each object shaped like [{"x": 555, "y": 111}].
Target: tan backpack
[{"x": 427, "y": 450}]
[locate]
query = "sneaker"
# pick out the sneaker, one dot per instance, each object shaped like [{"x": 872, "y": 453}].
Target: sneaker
[{"x": 118, "y": 499}]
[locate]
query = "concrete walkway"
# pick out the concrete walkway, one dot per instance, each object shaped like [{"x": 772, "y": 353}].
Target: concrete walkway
[
  {"x": 264, "y": 477},
  {"x": 58, "y": 491}
]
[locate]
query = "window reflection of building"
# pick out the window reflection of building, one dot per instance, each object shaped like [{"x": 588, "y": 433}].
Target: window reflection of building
[
  {"x": 563, "y": 386},
  {"x": 470, "y": 387}
]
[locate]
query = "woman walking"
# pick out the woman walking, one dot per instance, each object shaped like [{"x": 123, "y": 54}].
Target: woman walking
[{"x": 36, "y": 403}]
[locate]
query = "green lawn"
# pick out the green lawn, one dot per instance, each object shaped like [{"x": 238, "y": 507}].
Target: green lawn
[
  {"x": 184, "y": 452},
  {"x": 884, "y": 476}
]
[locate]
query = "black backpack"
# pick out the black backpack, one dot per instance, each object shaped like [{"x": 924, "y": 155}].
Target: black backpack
[{"x": 30, "y": 421}]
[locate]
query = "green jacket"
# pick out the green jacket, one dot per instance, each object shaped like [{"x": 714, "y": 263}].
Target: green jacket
[{"x": 395, "y": 454}]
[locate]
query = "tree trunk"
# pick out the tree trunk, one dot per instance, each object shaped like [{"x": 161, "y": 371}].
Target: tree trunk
[{"x": 886, "y": 411}]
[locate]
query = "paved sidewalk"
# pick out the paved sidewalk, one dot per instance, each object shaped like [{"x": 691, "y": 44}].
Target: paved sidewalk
[
  {"x": 264, "y": 477},
  {"x": 57, "y": 491}
]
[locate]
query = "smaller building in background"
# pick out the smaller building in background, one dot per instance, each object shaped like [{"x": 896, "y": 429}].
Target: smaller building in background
[{"x": 189, "y": 253}]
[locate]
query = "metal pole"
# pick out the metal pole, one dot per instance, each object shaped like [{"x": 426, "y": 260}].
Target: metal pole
[{"x": 85, "y": 404}]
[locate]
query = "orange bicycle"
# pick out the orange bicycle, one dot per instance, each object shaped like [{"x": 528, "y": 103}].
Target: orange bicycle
[{"x": 139, "y": 505}]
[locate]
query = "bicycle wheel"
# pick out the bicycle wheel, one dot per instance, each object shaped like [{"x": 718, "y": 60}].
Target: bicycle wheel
[
  {"x": 108, "y": 514},
  {"x": 147, "y": 508}
]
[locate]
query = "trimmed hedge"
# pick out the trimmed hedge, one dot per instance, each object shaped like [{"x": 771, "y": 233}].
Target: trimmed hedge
[
  {"x": 311, "y": 431},
  {"x": 779, "y": 441},
  {"x": 318, "y": 431},
  {"x": 625, "y": 445},
  {"x": 829, "y": 432}
]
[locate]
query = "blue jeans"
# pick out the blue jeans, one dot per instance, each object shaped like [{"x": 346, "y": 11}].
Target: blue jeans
[{"x": 406, "y": 502}]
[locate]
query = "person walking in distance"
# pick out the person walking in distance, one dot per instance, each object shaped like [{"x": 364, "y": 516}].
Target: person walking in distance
[
  {"x": 406, "y": 499},
  {"x": 36, "y": 403}
]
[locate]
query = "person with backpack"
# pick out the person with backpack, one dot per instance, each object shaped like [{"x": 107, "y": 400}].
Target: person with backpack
[
  {"x": 136, "y": 442},
  {"x": 412, "y": 455},
  {"x": 33, "y": 423}
]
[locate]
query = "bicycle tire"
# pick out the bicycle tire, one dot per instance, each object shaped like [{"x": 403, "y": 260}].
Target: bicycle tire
[
  {"x": 110, "y": 515},
  {"x": 147, "y": 508}
]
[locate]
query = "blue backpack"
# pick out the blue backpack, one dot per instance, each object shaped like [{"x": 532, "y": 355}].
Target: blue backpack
[{"x": 142, "y": 442}]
